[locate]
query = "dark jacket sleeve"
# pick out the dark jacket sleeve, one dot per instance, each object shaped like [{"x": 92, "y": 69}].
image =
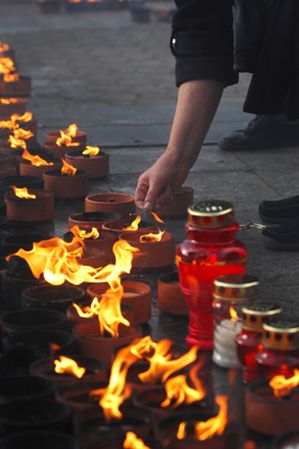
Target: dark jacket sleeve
[{"x": 202, "y": 41}]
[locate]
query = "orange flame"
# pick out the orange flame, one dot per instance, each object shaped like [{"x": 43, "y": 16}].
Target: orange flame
[
  {"x": 8, "y": 124},
  {"x": 233, "y": 314},
  {"x": 66, "y": 140},
  {"x": 66, "y": 365},
  {"x": 83, "y": 234},
  {"x": 11, "y": 77},
  {"x": 16, "y": 143},
  {"x": 134, "y": 225},
  {"x": 157, "y": 218},
  {"x": 205, "y": 430},
  {"x": 26, "y": 117},
  {"x": 162, "y": 363},
  {"x": 112, "y": 397},
  {"x": 133, "y": 442},
  {"x": 35, "y": 160},
  {"x": 283, "y": 386},
  {"x": 23, "y": 193},
  {"x": 68, "y": 169},
  {"x": 11, "y": 100},
  {"x": 152, "y": 237},
  {"x": 72, "y": 130},
  {"x": 54, "y": 347},
  {"x": 4, "y": 46},
  {"x": 178, "y": 389},
  {"x": 91, "y": 151},
  {"x": 7, "y": 65},
  {"x": 20, "y": 133}
]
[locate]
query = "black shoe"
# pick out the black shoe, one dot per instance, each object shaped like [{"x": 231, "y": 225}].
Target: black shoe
[
  {"x": 280, "y": 211},
  {"x": 262, "y": 132},
  {"x": 282, "y": 238}
]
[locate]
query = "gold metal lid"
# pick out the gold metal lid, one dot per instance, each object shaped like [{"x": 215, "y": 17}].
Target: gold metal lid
[
  {"x": 235, "y": 287},
  {"x": 211, "y": 214},
  {"x": 281, "y": 335},
  {"x": 257, "y": 314}
]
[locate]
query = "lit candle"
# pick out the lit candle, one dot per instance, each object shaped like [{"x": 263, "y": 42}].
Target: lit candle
[{"x": 225, "y": 353}]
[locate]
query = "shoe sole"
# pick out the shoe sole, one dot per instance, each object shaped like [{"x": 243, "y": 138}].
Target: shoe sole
[
  {"x": 274, "y": 244},
  {"x": 277, "y": 221}
]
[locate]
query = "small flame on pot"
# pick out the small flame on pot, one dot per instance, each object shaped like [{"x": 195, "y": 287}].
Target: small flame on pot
[
  {"x": 205, "y": 430},
  {"x": 162, "y": 363},
  {"x": 35, "y": 160},
  {"x": 66, "y": 365},
  {"x": 26, "y": 117},
  {"x": 11, "y": 100},
  {"x": 7, "y": 65},
  {"x": 20, "y": 133},
  {"x": 91, "y": 151},
  {"x": 152, "y": 237},
  {"x": 67, "y": 169},
  {"x": 8, "y": 124},
  {"x": 233, "y": 314},
  {"x": 72, "y": 130},
  {"x": 11, "y": 77},
  {"x": 23, "y": 193},
  {"x": 4, "y": 46},
  {"x": 134, "y": 225},
  {"x": 133, "y": 442},
  {"x": 283, "y": 386},
  {"x": 157, "y": 218},
  {"x": 66, "y": 140},
  {"x": 83, "y": 234},
  {"x": 178, "y": 390},
  {"x": 15, "y": 143}
]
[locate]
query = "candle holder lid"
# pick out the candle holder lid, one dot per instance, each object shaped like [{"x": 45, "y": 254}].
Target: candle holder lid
[
  {"x": 211, "y": 214},
  {"x": 257, "y": 314},
  {"x": 236, "y": 287},
  {"x": 281, "y": 335}
]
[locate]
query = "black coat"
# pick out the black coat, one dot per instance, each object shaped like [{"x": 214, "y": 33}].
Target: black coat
[{"x": 266, "y": 44}]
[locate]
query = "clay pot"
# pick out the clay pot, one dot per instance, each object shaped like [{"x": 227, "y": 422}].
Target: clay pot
[
  {"x": 76, "y": 395},
  {"x": 287, "y": 441},
  {"x": 24, "y": 388},
  {"x": 31, "y": 182},
  {"x": 80, "y": 138},
  {"x": 39, "y": 440},
  {"x": 92, "y": 344},
  {"x": 101, "y": 247},
  {"x": 12, "y": 286},
  {"x": 7, "y": 166},
  {"x": 43, "y": 343},
  {"x": 270, "y": 415},
  {"x": 110, "y": 202},
  {"x": 118, "y": 226},
  {"x": 35, "y": 415},
  {"x": 95, "y": 166},
  {"x": 27, "y": 169},
  {"x": 30, "y": 125},
  {"x": 59, "y": 152},
  {"x": 20, "y": 88},
  {"x": 137, "y": 295},
  {"x": 66, "y": 187},
  {"x": 33, "y": 319},
  {"x": 170, "y": 296},
  {"x": 24, "y": 241},
  {"x": 52, "y": 297},
  {"x": 45, "y": 368},
  {"x": 183, "y": 198},
  {"x": 10, "y": 171},
  {"x": 87, "y": 220},
  {"x": 167, "y": 426},
  {"x": 151, "y": 254},
  {"x": 15, "y": 106},
  {"x": 37, "y": 209}
]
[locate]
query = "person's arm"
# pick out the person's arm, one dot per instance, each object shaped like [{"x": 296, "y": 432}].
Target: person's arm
[{"x": 196, "y": 106}]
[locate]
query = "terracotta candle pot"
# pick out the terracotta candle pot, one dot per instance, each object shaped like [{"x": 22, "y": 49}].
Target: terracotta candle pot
[
  {"x": 92, "y": 344},
  {"x": 77, "y": 395},
  {"x": 6, "y": 51},
  {"x": 18, "y": 86},
  {"x": 183, "y": 198},
  {"x": 45, "y": 368},
  {"x": 118, "y": 227},
  {"x": 64, "y": 186},
  {"x": 58, "y": 143},
  {"x": 25, "y": 121},
  {"x": 31, "y": 182},
  {"x": 77, "y": 136},
  {"x": 110, "y": 202},
  {"x": 96, "y": 166},
  {"x": 100, "y": 246},
  {"x": 137, "y": 295},
  {"x": 270, "y": 415},
  {"x": 40, "y": 208},
  {"x": 152, "y": 254},
  {"x": 87, "y": 220},
  {"x": 74, "y": 318},
  {"x": 7, "y": 166},
  {"x": 170, "y": 296},
  {"x": 26, "y": 168},
  {"x": 34, "y": 319},
  {"x": 9, "y": 106}
]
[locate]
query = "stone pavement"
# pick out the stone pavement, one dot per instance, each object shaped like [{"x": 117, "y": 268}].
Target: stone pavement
[{"x": 115, "y": 79}]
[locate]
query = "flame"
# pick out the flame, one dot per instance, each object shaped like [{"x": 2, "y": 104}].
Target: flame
[
  {"x": 178, "y": 389},
  {"x": 7, "y": 124},
  {"x": 205, "y": 430},
  {"x": 91, "y": 151},
  {"x": 233, "y": 314},
  {"x": 66, "y": 140},
  {"x": 283, "y": 386},
  {"x": 68, "y": 169},
  {"x": 54, "y": 347},
  {"x": 112, "y": 397},
  {"x": 134, "y": 225},
  {"x": 162, "y": 363},
  {"x": 66, "y": 365},
  {"x": 83, "y": 234},
  {"x": 11, "y": 100},
  {"x": 72, "y": 130},
  {"x": 157, "y": 218},
  {"x": 11, "y": 77},
  {"x": 4, "y": 46},
  {"x": 16, "y": 143},
  {"x": 20, "y": 133},
  {"x": 152, "y": 237},
  {"x": 23, "y": 193},
  {"x": 35, "y": 160},
  {"x": 26, "y": 117},
  {"x": 7, "y": 65},
  {"x": 133, "y": 442}
]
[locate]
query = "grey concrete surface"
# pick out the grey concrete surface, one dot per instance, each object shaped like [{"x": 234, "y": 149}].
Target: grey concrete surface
[{"x": 115, "y": 79}]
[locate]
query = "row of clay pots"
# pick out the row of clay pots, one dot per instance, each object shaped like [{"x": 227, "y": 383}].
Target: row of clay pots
[{"x": 30, "y": 125}]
